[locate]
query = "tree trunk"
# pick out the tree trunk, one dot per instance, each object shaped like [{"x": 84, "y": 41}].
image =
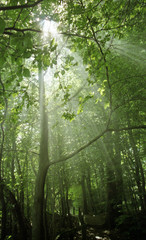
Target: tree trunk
[
  {"x": 17, "y": 212},
  {"x": 2, "y": 136},
  {"x": 140, "y": 179},
  {"x": 38, "y": 232},
  {"x": 111, "y": 183},
  {"x": 111, "y": 197},
  {"x": 85, "y": 205},
  {"x": 38, "y": 219},
  {"x": 118, "y": 171},
  {"x": 4, "y": 213},
  {"x": 91, "y": 199}
]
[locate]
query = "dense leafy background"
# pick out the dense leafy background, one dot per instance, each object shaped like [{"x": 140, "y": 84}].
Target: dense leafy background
[{"x": 94, "y": 80}]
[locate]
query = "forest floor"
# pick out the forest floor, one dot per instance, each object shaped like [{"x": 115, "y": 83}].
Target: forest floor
[
  {"x": 96, "y": 234},
  {"x": 102, "y": 234}
]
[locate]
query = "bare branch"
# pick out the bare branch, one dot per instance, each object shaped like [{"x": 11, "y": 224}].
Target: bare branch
[
  {"x": 129, "y": 77},
  {"x": 23, "y": 151},
  {"x": 78, "y": 150},
  {"x": 65, "y": 158},
  {"x": 126, "y": 128},
  {"x": 76, "y": 35},
  {"x": 20, "y": 6},
  {"x": 62, "y": 104},
  {"x": 18, "y": 17},
  {"x": 22, "y": 30},
  {"x": 128, "y": 101},
  {"x": 8, "y": 33}
]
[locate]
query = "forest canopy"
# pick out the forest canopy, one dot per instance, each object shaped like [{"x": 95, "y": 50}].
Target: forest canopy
[{"x": 72, "y": 119}]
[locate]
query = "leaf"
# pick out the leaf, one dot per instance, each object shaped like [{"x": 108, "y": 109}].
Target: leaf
[
  {"x": 27, "y": 54},
  {"x": 106, "y": 105},
  {"x": 62, "y": 72},
  {"x": 52, "y": 42},
  {"x": 80, "y": 109},
  {"x": 26, "y": 72},
  {"x": 56, "y": 74},
  {"x": 101, "y": 91},
  {"x": 27, "y": 41},
  {"x": 2, "y": 61},
  {"x": 69, "y": 116},
  {"x": 46, "y": 60},
  {"x": 2, "y": 25},
  {"x": 54, "y": 61}
]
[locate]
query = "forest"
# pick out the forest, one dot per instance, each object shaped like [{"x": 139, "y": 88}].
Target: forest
[{"x": 72, "y": 120}]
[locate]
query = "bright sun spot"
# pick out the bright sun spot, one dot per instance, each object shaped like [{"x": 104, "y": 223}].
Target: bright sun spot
[{"x": 49, "y": 27}]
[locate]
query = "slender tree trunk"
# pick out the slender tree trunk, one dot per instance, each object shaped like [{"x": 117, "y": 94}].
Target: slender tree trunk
[
  {"x": 118, "y": 171},
  {"x": 111, "y": 183},
  {"x": 111, "y": 197},
  {"x": 83, "y": 225},
  {"x": 2, "y": 139},
  {"x": 38, "y": 232},
  {"x": 4, "y": 213},
  {"x": 23, "y": 226},
  {"x": 88, "y": 182},
  {"x": 85, "y": 205},
  {"x": 140, "y": 179},
  {"x": 13, "y": 162}
]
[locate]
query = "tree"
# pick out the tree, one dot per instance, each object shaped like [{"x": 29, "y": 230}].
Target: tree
[{"x": 95, "y": 85}]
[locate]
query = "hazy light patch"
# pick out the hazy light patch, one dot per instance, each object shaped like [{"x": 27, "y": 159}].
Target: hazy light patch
[
  {"x": 50, "y": 28},
  {"x": 131, "y": 51},
  {"x": 50, "y": 31}
]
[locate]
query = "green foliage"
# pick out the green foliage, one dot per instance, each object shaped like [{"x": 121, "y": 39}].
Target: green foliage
[
  {"x": 8, "y": 237},
  {"x": 2, "y": 25},
  {"x": 96, "y": 81},
  {"x": 132, "y": 226},
  {"x": 83, "y": 100},
  {"x": 26, "y": 72},
  {"x": 69, "y": 116}
]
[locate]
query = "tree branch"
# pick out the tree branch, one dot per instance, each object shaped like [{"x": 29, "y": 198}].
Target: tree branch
[
  {"x": 126, "y": 128},
  {"x": 23, "y": 151},
  {"x": 22, "y": 30},
  {"x": 128, "y": 101},
  {"x": 78, "y": 150},
  {"x": 65, "y": 158},
  {"x": 18, "y": 17},
  {"x": 20, "y": 6},
  {"x": 76, "y": 35}
]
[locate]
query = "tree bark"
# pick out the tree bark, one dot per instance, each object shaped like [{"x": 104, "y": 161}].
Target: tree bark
[
  {"x": 38, "y": 231},
  {"x": 18, "y": 214},
  {"x": 85, "y": 205},
  {"x": 89, "y": 187},
  {"x": 140, "y": 179},
  {"x": 2, "y": 136},
  {"x": 118, "y": 170}
]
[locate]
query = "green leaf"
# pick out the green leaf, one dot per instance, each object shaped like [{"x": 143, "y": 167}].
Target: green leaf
[
  {"x": 106, "y": 105},
  {"x": 69, "y": 116},
  {"x": 80, "y": 109},
  {"x": 27, "y": 41},
  {"x": 46, "y": 60},
  {"x": 54, "y": 61},
  {"x": 62, "y": 72},
  {"x": 27, "y": 54},
  {"x": 26, "y": 72},
  {"x": 2, "y": 25},
  {"x": 2, "y": 61},
  {"x": 56, "y": 74},
  {"x": 52, "y": 42}
]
